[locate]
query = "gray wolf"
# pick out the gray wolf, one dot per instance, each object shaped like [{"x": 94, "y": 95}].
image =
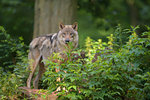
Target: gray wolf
[{"x": 43, "y": 47}]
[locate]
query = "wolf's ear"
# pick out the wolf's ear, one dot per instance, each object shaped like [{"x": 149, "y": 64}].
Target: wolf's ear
[
  {"x": 75, "y": 26},
  {"x": 61, "y": 26}
]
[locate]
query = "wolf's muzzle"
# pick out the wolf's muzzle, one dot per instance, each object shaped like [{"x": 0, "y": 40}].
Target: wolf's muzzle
[{"x": 67, "y": 41}]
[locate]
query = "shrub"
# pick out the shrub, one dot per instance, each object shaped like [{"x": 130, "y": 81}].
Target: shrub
[
  {"x": 118, "y": 69},
  {"x": 13, "y": 65},
  {"x": 120, "y": 72},
  {"x": 9, "y": 84}
]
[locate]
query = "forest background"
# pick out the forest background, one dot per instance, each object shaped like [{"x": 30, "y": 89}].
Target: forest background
[{"x": 118, "y": 30}]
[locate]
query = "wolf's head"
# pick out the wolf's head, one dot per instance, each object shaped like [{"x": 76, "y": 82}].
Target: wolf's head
[{"x": 68, "y": 34}]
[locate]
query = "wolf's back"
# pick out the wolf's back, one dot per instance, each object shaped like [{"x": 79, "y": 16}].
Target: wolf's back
[{"x": 37, "y": 44}]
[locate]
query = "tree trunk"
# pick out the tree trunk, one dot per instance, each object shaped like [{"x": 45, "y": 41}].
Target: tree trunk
[
  {"x": 133, "y": 12},
  {"x": 49, "y": 13}
]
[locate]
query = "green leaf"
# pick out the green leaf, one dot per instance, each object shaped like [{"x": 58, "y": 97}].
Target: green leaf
[{"x": 74, "y": 87}]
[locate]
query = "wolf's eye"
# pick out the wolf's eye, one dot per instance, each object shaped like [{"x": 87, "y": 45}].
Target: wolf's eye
[{"x": 71, "y": 34}]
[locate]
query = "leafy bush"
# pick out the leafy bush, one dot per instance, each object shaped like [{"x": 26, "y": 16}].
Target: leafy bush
[
  {"x": 9, "y": 84},
  {"x": 118, "y": 69},
  {"x": 120, "y": 72},
  {"x": 10, "y": 48},
  {"x": 13, "y": 65}
]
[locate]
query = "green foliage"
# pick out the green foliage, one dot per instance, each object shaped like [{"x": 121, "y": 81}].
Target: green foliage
[
  {"x": 98, "y": 18},
  {"x": 13, "y": 65},
  {"x": 11, "y": 50},
  {"x": 107, "y": 13},
  {"x": 9, "y": 84},
  {"x": 17, "y": 17},
  {"x": 118, "y": 73}
]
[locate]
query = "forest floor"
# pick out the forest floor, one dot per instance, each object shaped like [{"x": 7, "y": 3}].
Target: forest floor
[{"x": 38, "y": 94}]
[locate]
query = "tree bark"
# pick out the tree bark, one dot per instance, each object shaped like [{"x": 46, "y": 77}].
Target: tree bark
[{"x": 49, "y": 13}]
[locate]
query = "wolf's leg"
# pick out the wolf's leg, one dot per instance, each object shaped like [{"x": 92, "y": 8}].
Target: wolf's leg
[
  {"x": 35, "y": 64},
  {"x": 31, "y": 75},
  {"x": 39, "y": 75}
]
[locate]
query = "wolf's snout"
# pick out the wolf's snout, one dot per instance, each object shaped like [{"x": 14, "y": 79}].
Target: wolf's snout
[{"x": 67, "y": 41}]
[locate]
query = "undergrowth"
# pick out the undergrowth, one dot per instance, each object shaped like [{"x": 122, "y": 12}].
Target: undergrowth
[
  {"x": 118, "y": 69},
  {"x": 14, "y": 62},
  {"x": 114, "y": 70}
]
